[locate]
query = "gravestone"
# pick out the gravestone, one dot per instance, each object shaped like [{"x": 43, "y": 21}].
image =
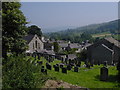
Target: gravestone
[
  {"x": 78, "y": 65},
  {"x": 57, "y": 65},
  {"x": 61, "y": 65},
  {"x": 42, "y": 69},
  {"x": 105, "y": 63},
  {"x": 40, "y": 62},
  {"x": 56, "y": 68},
  {"x": 38, "y": 56},
  {"x": 104, "y": 74},
  {"x": 75, "y": 69},
  {"x": 69, "y": 67},
  {"x": 64, "y": 70},
  {"x": 45, "y": 71},
  {"x": 48, "y": 66}
]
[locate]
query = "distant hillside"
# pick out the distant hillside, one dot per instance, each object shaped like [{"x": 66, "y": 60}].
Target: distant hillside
[{"x": 111, "y": 27}]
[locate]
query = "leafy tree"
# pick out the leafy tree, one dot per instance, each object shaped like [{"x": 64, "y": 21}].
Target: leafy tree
[
  {"x": 13, "y": 28},
  {"x": 82, "y": 55},
  {"x": 35, "y": 30},
  {"x": 56, "y": 46}
]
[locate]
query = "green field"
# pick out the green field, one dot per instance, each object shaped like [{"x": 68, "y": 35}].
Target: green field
[
  {"x": 101, "y": 35},
  {"x": 117, "y": 37},
  {"x": 88, "y": 78}
]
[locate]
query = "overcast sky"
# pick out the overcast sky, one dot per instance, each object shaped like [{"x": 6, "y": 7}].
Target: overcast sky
[{"x": 62, "y": 14}]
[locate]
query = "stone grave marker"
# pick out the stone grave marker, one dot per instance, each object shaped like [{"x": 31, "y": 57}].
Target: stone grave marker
[
  {"x": 104, "y": 74},
  {"x": 42, "y": 69},
  {"x": 48, "y": 66},
  {"x": 69, "y": 67},
  {"x": 61, "y": 65},
  {"x": 105, "y": 63},
  {"x": 56, "y": 68},
  {"x": 64, "y": 70},
  {"x": 75, "y": 69},
  {"x": 40, "y": 62}
]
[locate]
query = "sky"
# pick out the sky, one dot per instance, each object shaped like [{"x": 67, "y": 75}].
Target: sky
[{"x": 54, "y": 15}]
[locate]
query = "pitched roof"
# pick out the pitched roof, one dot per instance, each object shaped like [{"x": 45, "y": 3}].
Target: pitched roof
[
  {"x": 28, "y": 38},
  {"x": 112, "y": 40},
  {"x": 107, "y": 47},
  {"x": 71, "y": 56},
  {"x": 72, "y": 45}
]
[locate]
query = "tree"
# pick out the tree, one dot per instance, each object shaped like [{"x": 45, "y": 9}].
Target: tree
[
  {"x": 35, "y": 30},
  {"x": 82, "y": 55},
  {"x": 56, "y": 46},
  {"x": 13, "y": 28}
]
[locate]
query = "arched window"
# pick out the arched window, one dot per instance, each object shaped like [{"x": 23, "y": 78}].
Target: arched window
[
  {"x": 33, "y": 45},
  {"x": 36, "y": 44},
  {"x": 39, "y": 45}
]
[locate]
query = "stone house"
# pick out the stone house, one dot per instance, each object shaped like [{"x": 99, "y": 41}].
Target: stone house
[
  {"x": 69, "y": 46},
  {"x": 106, "y": 49},
  {"x": 34, "y": 43}
]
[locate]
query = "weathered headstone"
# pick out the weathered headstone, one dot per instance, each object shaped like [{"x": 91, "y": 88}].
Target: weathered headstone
[
  {"x": 56, "y": 68},
  {"x": 48, "y": 66},
  {"x": 57, "y": 65},
  {"x": 104, "y": 74},
  {"x": 45, "y": 71},
  {"x": 69, "y": 67},
  {"x": 42, "y": 69},
  {"x": 64, "y": 70},
  {"x": 40, "y": 62},
  {"x": 105, "y": 63},
  {"x": 61, "y": 65},
  {"x": 75, "y": 69},
  {"x": 38, "y": 57}
]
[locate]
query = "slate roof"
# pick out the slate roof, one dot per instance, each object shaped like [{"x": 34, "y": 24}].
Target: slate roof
[
  {"x": 28, "y": 38},
  {"x": 50, "y": 52},
  {"x": 72, "y": 56},
  {"x": 72, "y": 45},
  {"x": 112, "y": 40},
  {"x": 107, "y": 47}
]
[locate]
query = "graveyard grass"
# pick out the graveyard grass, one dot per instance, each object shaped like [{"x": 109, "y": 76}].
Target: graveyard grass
[{"x": 88, "y": 78}]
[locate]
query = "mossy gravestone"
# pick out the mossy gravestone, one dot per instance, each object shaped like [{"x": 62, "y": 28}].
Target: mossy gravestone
[{"x": 104, "y": 74}]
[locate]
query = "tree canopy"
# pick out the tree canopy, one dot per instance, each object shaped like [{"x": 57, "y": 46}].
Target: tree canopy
[
  {"x": 35, "y": 30},
  {"x": 13, "y": 28}
]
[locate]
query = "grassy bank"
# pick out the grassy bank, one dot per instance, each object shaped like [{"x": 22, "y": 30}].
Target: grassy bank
[{"x": 86, "y": 77}]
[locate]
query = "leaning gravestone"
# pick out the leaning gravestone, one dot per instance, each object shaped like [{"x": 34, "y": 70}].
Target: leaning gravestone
[
  {"x": 64, "y": 70},
  {"x": 48, "y": 66},
  {"x": 104, "y": 74},
  {"x": 56, "y": 68},
  {"x": 75, "y": 69}
]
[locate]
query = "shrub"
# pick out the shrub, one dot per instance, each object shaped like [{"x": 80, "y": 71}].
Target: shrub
[{"x": 19, "y": 72}]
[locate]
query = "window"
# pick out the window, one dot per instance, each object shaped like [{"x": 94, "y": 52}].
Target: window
[
  {"x": 39, "y": 45},
  {"x": 33, "y": 45},
  {"x": 36, "y": 44}
]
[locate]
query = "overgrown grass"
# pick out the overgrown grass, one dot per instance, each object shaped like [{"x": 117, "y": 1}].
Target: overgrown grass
[{"x": 87, "y": 77}]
